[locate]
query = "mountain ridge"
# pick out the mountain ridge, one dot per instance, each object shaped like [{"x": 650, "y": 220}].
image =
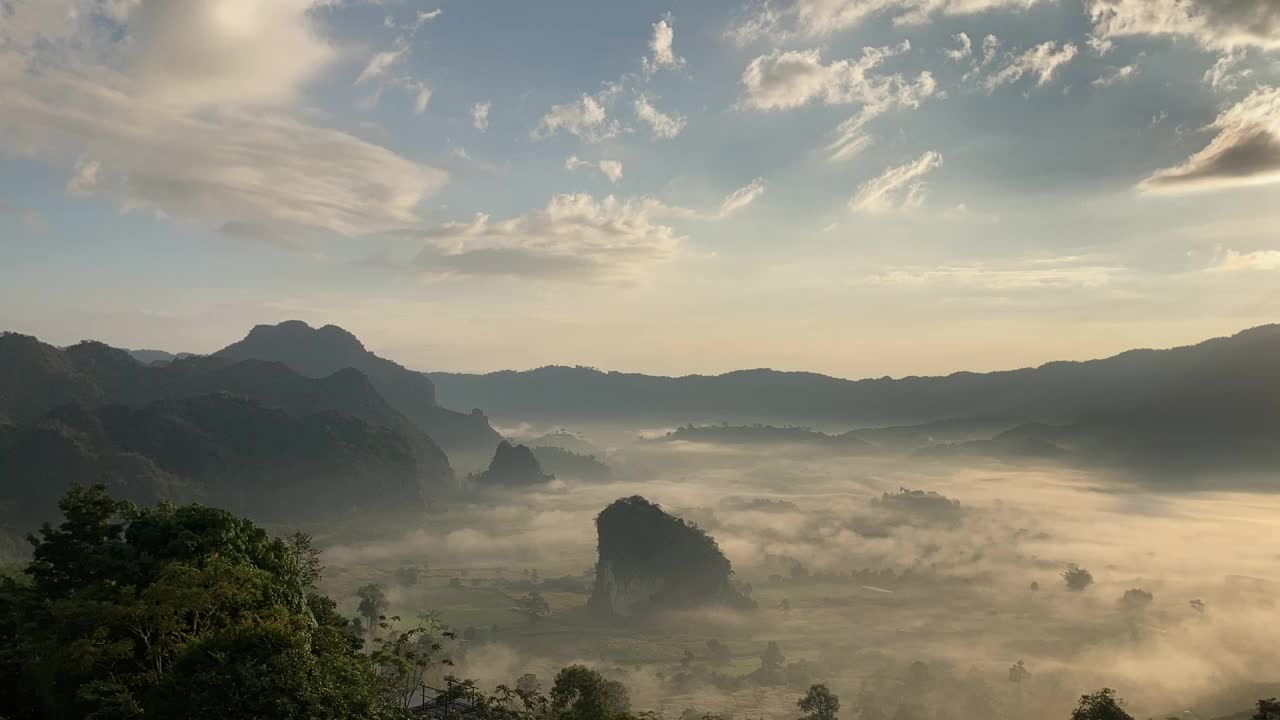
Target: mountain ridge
[{"x": 1058, "y": 391}]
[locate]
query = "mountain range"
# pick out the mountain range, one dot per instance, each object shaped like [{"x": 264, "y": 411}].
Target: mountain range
[
  {"x": 305, "y": 422},
  {"x": 1237, "y": 371},
  {"x": 318, "y": 398}
]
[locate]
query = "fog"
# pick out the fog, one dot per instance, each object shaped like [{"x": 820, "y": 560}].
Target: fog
[{"x": 874, "y": 579}]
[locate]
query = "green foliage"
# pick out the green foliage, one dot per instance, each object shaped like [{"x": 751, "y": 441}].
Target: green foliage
[
  {"x": 580, "y": 693},
  {"x": 1268, "y": 710},
  {"x": 638, "y": 540},
  {"x": 819, "y": 703},
  {"x": 772, "y": 658},
  {"x": 533, "y": 606},
  {"x": 174, "y": 612},
  {"x": 1077, "y": 578},
  {"x": 373, "y": 604},
  {"x": 718, "y": 653},
  {"x": 1100, "y": 705},
  {"x": 402, "y": 657}
]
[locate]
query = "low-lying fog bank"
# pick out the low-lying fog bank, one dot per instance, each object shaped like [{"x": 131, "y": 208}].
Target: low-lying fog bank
[{"x": 859, "y": 582}]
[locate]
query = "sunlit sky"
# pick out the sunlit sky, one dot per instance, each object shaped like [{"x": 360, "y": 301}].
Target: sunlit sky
[{"x": 856, "y": 187}]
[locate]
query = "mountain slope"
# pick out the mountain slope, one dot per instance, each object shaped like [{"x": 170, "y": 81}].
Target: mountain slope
[
  {"x": 218, "y": 449},
  {"x": 35, "y": 378},
  {"x": 319, "y": 352},
  {"x": 1243, "y": 365}
]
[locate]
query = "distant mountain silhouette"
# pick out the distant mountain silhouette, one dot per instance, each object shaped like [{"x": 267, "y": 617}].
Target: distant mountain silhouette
[
  {"x": 766, "y": 434},
  {"x": 512, "y": 465},
  {"x": 218, "y": 449},
  {"x": 568, "y": 464},
  {"x": 36, "y": 378},
  {"x": 1225, "y": 376},
  {"x": 320, "y": 352},
  {"x": 151, "y": 357}
]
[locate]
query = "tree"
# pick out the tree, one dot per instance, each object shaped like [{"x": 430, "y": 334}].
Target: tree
[
  {"x": 580, "y": 693},
  {"x": 533, "y": 606},
  {"x": 173, "y": 611},
  {"x": 1268, "y": 710},
  {"x": 1018, "y": 673},
  {"x": 409, "y": 575},
  {"x": 718, "y": 653},
  {"x": 307, "y": 558},
  {"x": 1136, "y": 599},
  {"x": 772, "y": 658},
  {"x": 1077, "y": 578},
  {"x": 819, "y": 703},
  {"x": 373, "y": 604},
  {"x": 528, "y": 683},
  {"x": 403, "y": 656},
  {"x": 1100, "y": 705}
]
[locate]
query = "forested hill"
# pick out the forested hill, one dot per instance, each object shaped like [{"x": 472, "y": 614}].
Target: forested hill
[
  {"x": 239, "y": 433},
  {"x": 1242, "y": 371},
  {"x": 320, "y": 352}
]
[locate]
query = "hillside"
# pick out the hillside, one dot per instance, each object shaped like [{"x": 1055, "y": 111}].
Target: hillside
[
  {"x": 221, "y": 450},
  {"x": 36, "y": 378},
  {"x": 320, "y": 352},
  {"x": 1220, "y": 376}
]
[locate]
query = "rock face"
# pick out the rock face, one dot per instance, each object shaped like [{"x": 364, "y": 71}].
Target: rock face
[
  {"x": 650, "y": 560},
  {"x": 513, "y": 465}
]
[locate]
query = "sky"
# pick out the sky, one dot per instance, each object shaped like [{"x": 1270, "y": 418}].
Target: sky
[{"x": 854, "y": 187}]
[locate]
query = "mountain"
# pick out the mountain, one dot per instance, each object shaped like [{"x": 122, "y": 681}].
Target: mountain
[
  {"x": 513, "y": 465},
  {"x": 650, "y": 560},
  {"x": 151, "y": 357},
  {"x": 568, "y": 464},
  {"x": 219, "y": 449},
  {"x": 320, "y": 352},
  {"x": 36, "y": 378},
  {"x": 765, "y": 435},
  {"x": 1224, "y": 376}
]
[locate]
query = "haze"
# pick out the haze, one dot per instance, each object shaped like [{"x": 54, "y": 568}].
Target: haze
[{"x": 678, "y": 360}]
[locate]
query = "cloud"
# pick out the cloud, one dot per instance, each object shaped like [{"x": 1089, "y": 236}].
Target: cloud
[
  {"x": 1041, "y": 61},
  {"x": 422, "y": 96},
  {"x": 585, "y": 118},
  {"x": 1214, "y": 24},
  {"x": 199, "y": 130},
  {"x": 660, "y": 46},
  {"x": 195, "y": 52},
  {"x": 1234, "y": 261},
  {"x": 789, "y": 79},
  {"x": 1117, "y": 76},
  {"x": 611, "y": 169},
  {"x": 84, "y": 179},
  {"x": 574, "y": 235},
  {"x": 779, "y": 21},
  {"x": 219, "y": 168},
  {"x": 480, "y": 116},
  {"x": 1246, "y": 150},
  {"x": 379, "y": 64},
  {"x": 741, "y": 198},
  {"x": 663, "y": 125},
  {"x": 964, "y": 51},
  {"x": 897, "y": 188},
  {"x": 1224, "y": 74},
  {"x": 1044, "y": 274}
]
